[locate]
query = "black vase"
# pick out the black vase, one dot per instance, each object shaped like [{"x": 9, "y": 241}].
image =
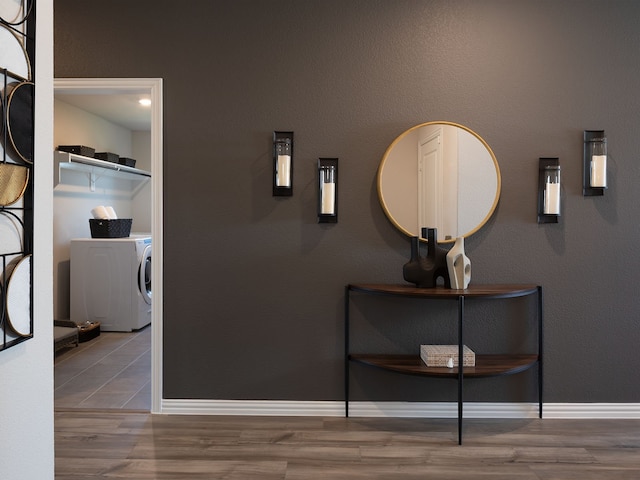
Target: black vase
[{"x": 424, "y": 272}]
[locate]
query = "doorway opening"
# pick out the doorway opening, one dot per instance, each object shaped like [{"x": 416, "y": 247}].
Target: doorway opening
[{"x": 118, "y": 91}]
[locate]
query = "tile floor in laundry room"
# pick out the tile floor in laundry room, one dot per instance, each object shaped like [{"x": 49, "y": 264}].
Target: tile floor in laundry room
[{"x": 111, "y": 371}]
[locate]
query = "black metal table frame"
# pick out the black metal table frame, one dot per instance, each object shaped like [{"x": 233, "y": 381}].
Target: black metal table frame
[{"x": 460, "y": 376}]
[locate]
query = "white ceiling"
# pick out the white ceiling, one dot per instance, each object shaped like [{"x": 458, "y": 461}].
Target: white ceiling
[{"x": 120, "y": 108}]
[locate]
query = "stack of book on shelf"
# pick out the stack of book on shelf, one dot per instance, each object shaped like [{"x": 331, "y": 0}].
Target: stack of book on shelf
[{"x": 446, "y": 356}]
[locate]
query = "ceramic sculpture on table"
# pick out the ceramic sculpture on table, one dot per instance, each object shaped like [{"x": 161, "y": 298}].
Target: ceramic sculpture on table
[
  {"x": 424, "y": 272},
  {"x": 459, "y": 265}
]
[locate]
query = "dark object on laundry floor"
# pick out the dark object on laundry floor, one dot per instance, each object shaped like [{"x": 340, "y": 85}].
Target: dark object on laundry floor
[
  {"x": 64, "y": 337},
  {"x": 88, "y": 331}
]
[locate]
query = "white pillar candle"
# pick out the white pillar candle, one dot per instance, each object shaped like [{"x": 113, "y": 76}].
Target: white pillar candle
[
  {"x": 283, "y": 178},
  {"x": 328, "y": 204},
  {"x": 599, "y": 171},
  {"x": 552, "y": 199}
]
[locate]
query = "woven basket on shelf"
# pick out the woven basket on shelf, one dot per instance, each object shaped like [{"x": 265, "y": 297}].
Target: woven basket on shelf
[{"x": 119, "y": 228}]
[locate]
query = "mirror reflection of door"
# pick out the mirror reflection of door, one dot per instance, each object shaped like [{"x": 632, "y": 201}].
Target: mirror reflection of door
[
  {"x": 429, "y": 179},
  {"x": 439, "y": 175},
  {"x": 438, "y": 180}
]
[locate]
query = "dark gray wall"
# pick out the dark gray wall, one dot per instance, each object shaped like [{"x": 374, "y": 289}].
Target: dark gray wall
[{"x": 253, "y": 285}]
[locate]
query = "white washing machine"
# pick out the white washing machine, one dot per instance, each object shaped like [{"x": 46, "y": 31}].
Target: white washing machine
[{"x": 111, "y": 282}]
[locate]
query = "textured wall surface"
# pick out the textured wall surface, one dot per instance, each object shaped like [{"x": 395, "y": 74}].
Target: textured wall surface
[
  {"x": 26, "y": 369},
  {"x": 254, "y": 287}
]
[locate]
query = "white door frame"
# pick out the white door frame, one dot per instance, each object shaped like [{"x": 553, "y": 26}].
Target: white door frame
[{"x": 153, "y": 88}]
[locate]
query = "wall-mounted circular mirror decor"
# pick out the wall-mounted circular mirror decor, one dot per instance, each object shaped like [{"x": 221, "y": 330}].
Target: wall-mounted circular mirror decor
[{"x": 439, "y": 175}]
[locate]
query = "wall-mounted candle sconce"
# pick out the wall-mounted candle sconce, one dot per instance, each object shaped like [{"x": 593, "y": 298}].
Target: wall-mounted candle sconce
[
  {"x": 549, "y": 190},
  {"x": 594, "y": 179},
  {"x": 282, "y": 164},
  {"x": 328, "y": 190}
]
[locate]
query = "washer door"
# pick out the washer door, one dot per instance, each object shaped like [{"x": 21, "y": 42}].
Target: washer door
[{"x": 144, "y": 275}]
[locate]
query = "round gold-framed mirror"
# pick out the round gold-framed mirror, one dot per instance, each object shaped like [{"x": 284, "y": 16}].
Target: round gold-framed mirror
[{"x": 439, "y": 175}]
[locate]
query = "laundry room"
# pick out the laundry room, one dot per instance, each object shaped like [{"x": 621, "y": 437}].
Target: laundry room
[{"x": 111, "y": 173}]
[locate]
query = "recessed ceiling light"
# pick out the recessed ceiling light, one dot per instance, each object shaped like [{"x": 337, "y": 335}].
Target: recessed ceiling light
[{"x": 145, "y": 102}]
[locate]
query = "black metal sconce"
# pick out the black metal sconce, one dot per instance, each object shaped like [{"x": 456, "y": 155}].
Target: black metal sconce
[
  {"x": 282, "y": 164},
  {"x": 328, "y": 190},
  {"x": 594, "y": 179},
  {"x": 549, "y": 190}
]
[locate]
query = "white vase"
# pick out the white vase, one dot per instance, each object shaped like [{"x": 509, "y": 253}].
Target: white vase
[{"x": 459, "y": 265}]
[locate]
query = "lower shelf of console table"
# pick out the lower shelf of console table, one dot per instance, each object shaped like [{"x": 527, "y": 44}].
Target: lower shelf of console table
[{"x": 485, "y": 365}]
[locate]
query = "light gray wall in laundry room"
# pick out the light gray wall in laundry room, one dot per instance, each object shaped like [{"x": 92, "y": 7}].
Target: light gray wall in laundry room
[{"x": 254, "y": 287}]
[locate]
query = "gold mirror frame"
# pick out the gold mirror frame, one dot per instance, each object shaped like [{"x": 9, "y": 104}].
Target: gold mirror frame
[{"x": 396, "y": 206}]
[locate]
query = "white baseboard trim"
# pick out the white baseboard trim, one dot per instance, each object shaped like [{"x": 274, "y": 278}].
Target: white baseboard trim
[
  {"x": 591, "y": 410},
  {"x": 253, "y": 408},
  {"x": 442, "y": 410},
  {"x": 400, "y": 409}
]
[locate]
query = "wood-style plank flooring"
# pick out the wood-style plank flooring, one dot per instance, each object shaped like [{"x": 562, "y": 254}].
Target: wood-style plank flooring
[
  {"x": 103, "y": 430},
  {"x": 112, "y": 370},
  {"x": 130, "y": 445}
]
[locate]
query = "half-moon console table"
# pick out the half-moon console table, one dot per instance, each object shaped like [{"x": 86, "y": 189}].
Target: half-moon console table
[{"x": 486, "y": 365}]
